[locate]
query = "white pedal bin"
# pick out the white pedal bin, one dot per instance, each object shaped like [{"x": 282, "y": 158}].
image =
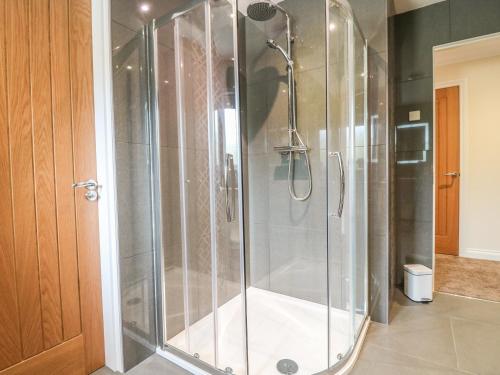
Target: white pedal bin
[{"x": 418, "y": 282}]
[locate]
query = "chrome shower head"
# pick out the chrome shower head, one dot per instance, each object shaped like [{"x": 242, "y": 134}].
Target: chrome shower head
[
  {"x": 272, "y": 44},
  {"x": 261, "y": 10}
]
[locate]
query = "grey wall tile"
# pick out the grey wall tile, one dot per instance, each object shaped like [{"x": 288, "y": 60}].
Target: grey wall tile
[
  {"x": 378, "y": 278},
  {"x": 414, "y": 187},
  {"x": 474, "y": 18},
  {"x": 309, "y": 31},
  {"x": 414, "y": 244},
  {"x": 259, "y": 253},
  {"x": 129, "y": 90},
  {"x": 284, "y": 233},
  {"x": 137, "y": 291},
  {"x": 412, "y": 36},
  {"x": 377, "y": 98},
  {"x": 417, "y": 32},
  {"x": 134, "y": 198},
  {"x": 372, "y": 16}
]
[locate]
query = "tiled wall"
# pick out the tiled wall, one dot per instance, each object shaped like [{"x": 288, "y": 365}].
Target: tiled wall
[
  {"x": 133, "y": 177},
  {"x": 372, "y": 16},
  {"x": 416, "y": 32},
  {"x": 132, "y": 140},
  {"x": 287, "y": 244}
]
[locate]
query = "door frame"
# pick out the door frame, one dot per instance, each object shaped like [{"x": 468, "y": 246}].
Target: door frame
[
  {"x": 462, "y": 85},
  {"x": 106, "y": 176},
  {"x": 463, "y": 132}
]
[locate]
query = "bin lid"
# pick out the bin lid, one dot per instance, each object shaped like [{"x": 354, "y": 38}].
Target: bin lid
[{"x": 417, "y": 269}]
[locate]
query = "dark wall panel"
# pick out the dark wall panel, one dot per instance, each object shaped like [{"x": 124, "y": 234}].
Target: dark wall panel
[
  {"x": 474, "y": 18},
  {"x": 416, "y": 33}
]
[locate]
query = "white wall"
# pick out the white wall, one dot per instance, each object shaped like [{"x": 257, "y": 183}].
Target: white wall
[{"x": 480, "y": 154}]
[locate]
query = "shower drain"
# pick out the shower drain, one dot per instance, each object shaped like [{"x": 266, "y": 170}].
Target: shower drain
[{"x": 287, "y": 366}]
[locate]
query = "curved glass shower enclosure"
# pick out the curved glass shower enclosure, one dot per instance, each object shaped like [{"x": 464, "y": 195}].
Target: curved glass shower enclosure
[{"x": 259, "y": 159}]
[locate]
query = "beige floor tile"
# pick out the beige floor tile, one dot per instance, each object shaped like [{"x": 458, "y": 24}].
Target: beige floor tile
[
  {"x": 375, "y": 360},
  {"x": 154, "y": 365},
  {"x": 450, "y": 306},
  {"x": 465, "y": 308},
  {"x": 427, "y": 337},
  {"x": 478, "y": 346},
  {"x": 103, "y": 371}
]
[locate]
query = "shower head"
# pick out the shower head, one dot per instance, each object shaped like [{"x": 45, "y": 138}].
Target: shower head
[
  {"x": 261, "y": 10},
  {"x": 272, "y": 44}
]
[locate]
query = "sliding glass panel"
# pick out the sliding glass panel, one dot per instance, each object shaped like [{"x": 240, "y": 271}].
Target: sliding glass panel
[
  {"x": 170, "y": 187},
  {"x": 230, "y": 314},
  {"x": 199, "y": 179},
  {"x": 286, "y": 247},
  {"x": 347, "y": 150},
  {"x": 188, "y": 135},
  {"x": 339, "y": 194},
  {"x": 359, "y": 168}
]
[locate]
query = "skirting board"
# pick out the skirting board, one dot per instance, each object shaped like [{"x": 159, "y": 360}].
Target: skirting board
[{"x": 481, "y": 254}]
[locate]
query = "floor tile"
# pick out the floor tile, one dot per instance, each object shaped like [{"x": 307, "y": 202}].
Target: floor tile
[
  {"x": 375, "y": 360},
  {"x": 478, "y": 346},
  {"x": 427, "y": 337},
  {"x": 103, "y": 371},
  {"x": 155, "y": 365},
  {"x": 465, "y": 308}
]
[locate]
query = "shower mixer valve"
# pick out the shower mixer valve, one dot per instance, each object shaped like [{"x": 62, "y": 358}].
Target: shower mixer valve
[{"x": 264, "y": 10}]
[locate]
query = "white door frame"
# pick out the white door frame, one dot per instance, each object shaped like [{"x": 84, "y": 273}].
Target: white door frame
[
  {"x": 106, "y": 175},
  {"x": 463, "y": 85}
]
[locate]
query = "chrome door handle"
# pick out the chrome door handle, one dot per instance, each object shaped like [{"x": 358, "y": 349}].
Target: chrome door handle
[
  {"x": 452, "y": 174},
  {"x": 91, "y": 185},
  {"x": 340, "y": 208},
  {"x": 230, "y": 195}
]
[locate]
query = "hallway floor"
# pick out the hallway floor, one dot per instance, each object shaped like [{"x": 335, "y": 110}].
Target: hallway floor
[
  {"x": 452, "y": 335},
  {"x": 468, "y": 277}
]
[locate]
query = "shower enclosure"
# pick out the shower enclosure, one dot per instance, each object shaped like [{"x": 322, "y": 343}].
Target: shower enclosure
[{"x": 259, "y": 165}]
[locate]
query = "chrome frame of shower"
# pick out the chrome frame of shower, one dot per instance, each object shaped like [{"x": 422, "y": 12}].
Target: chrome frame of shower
[
  {"x": 152, "y": 117},
  {"x": 353, "y": 22},
  {"x": 152, "y": 121}
]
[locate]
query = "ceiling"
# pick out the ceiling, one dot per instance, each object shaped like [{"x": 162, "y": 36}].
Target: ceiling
[
  {"x": 403, "y": 6},
  {"x": 474, "y": 50}
]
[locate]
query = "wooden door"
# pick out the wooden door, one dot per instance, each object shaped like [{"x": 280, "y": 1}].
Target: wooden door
[
  {"x": 447, "y": 178},
  {"x": 50, "y": 305}
]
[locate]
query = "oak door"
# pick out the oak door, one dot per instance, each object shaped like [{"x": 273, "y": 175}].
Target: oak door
[
  {"x": 50, "y": 306},
  {"x": 447, "y": 178}
]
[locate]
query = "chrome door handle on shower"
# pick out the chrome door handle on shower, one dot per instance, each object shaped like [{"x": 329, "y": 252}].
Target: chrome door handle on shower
[
  {"x": 340, "y": 208},
  {"x": 230, "y": 190}
]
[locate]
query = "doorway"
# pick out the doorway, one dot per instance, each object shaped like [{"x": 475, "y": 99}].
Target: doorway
[
  {"x": 447, "y": 172},
  {"x": 467, "y": 173}
]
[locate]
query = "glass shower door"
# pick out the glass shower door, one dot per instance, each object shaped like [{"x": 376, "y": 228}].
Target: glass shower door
[
  {"x": 198, "y": 169},
  {"x": 347, "y": 176}
]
